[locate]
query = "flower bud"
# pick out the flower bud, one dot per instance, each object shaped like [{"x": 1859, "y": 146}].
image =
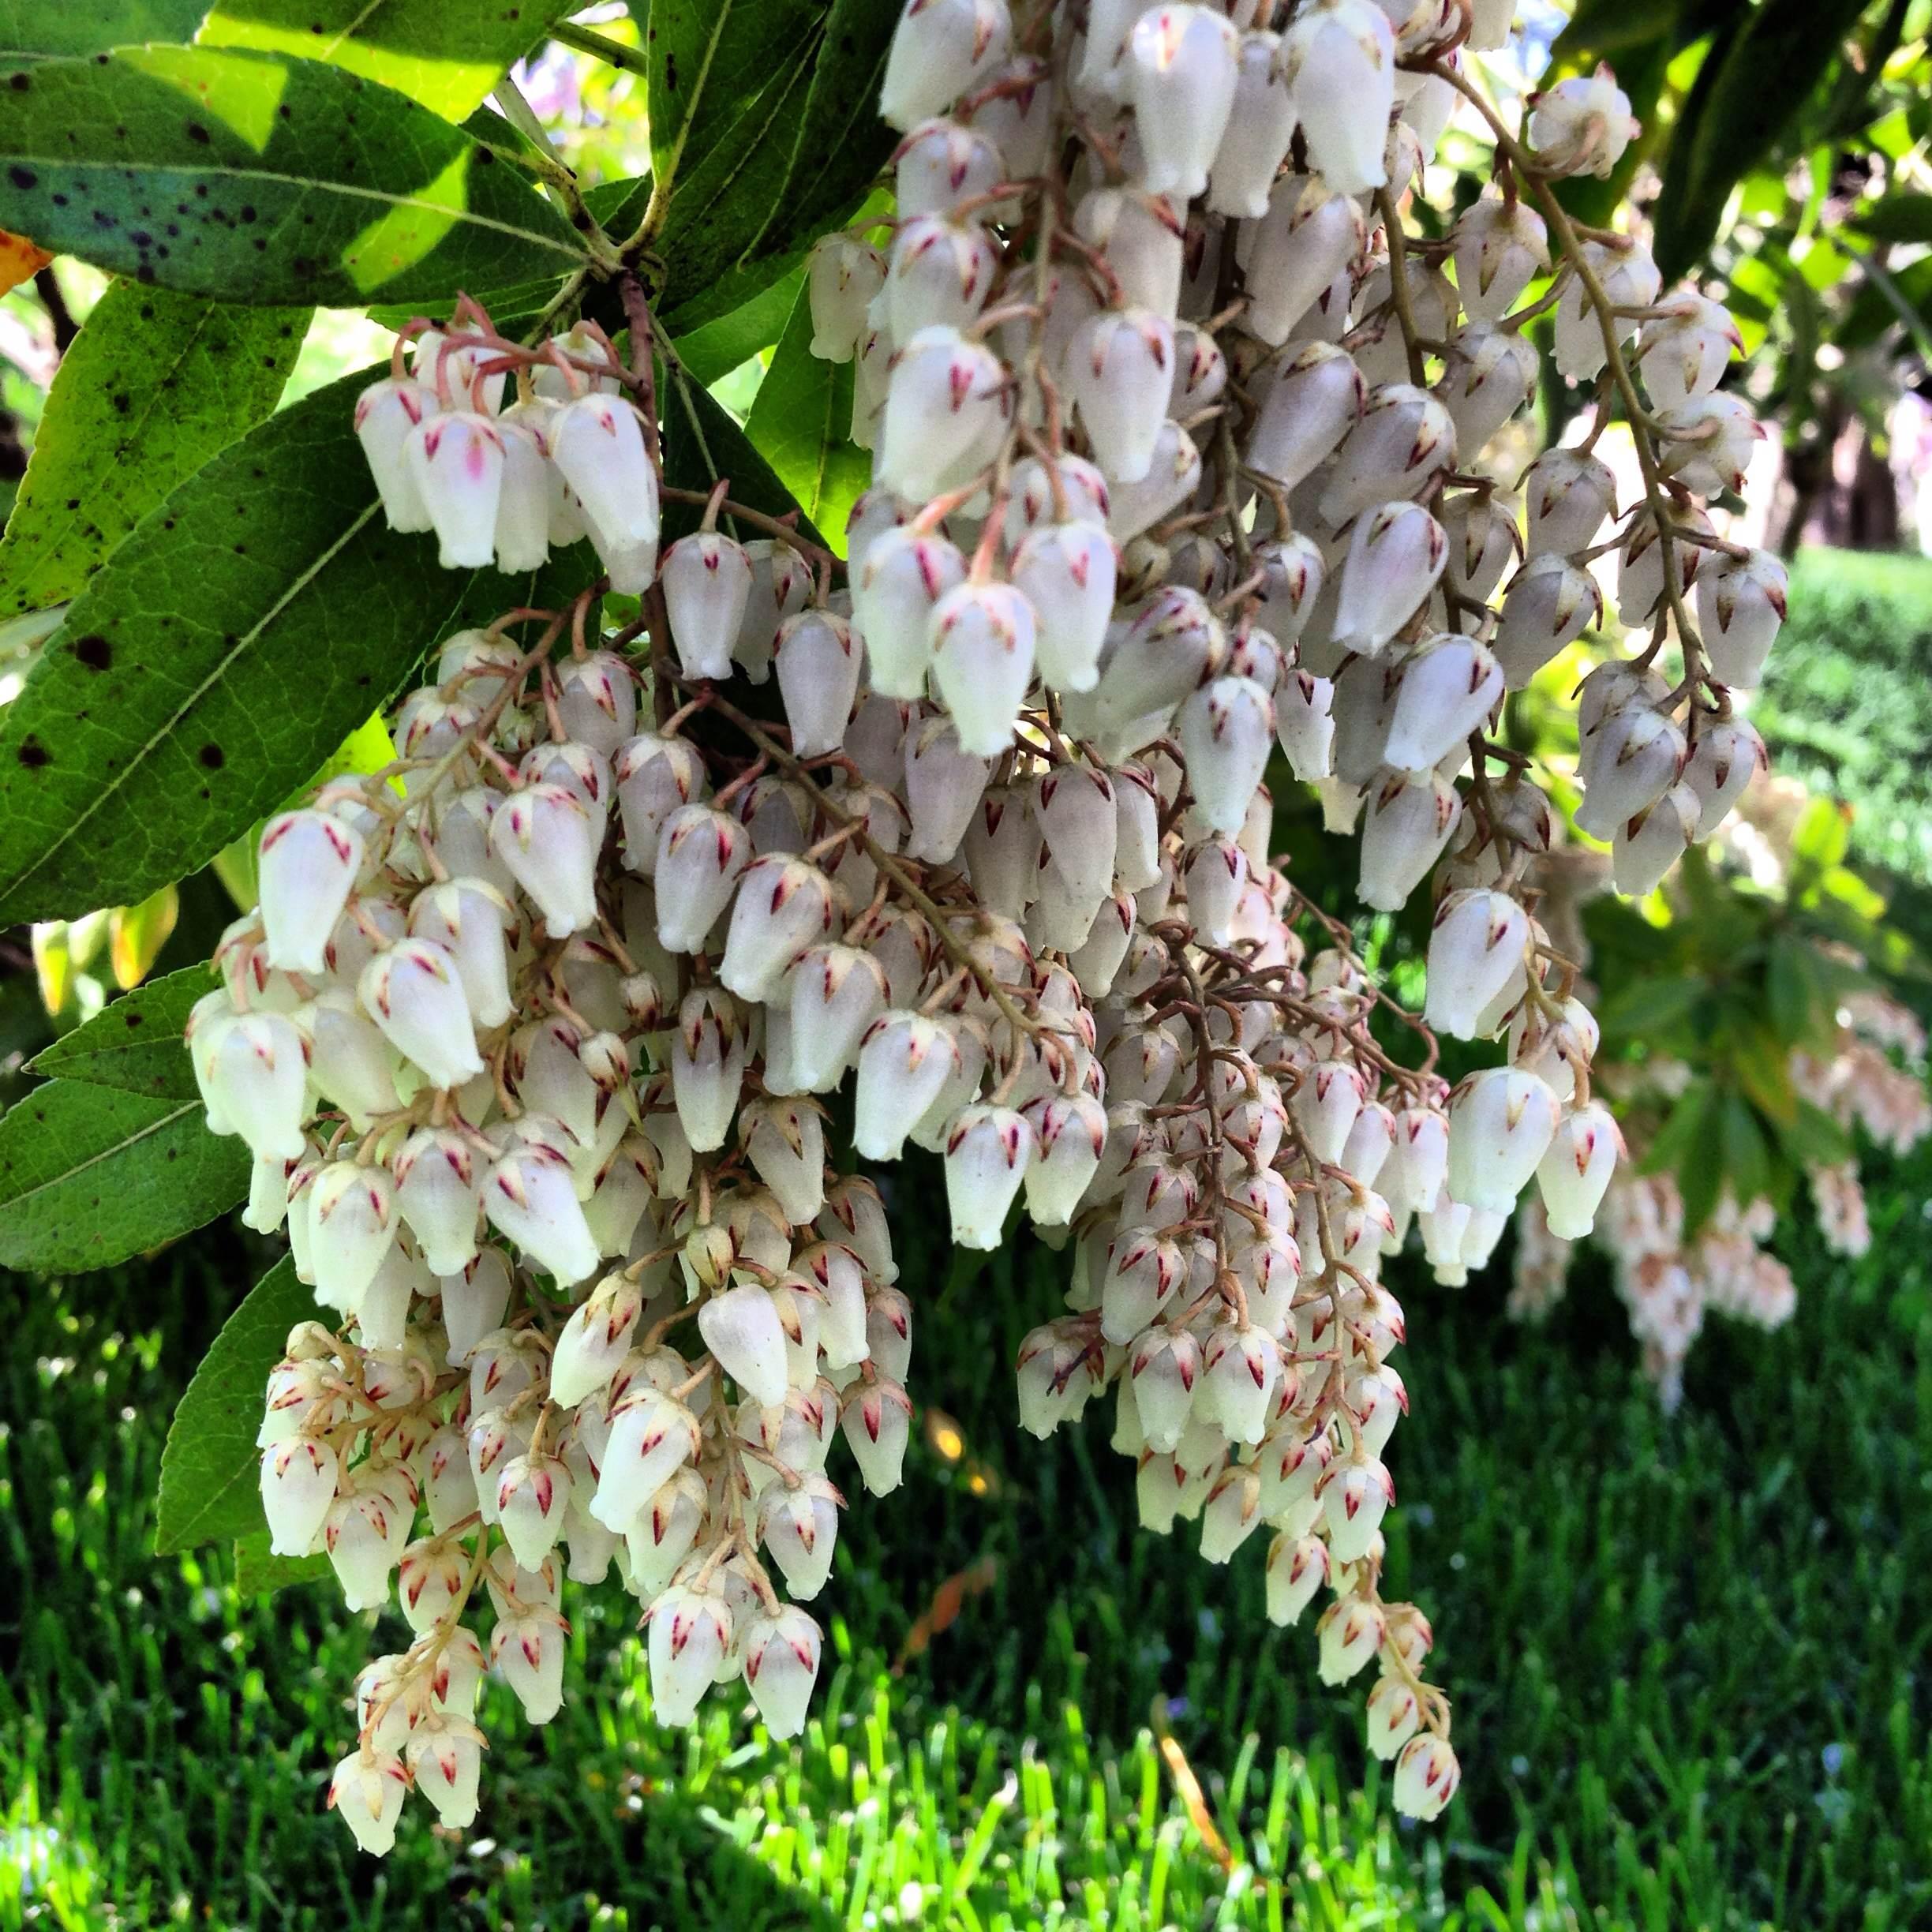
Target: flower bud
[
  {"x": 1394, "y": 1717},
  {"x": 946, "y": 409},
  {"x": 1476, "y": 946},
  {"x": 1174, "y": 473},
  {"x": 1296, "y": 1570},
  {"x": 842, "y": 276},
  {"x": 903, "y": 1063},
  {"x": 1261, "y": 126},
  {"x": 1231, "y": 1514},
  {"x": 1055, "y": 1378},
  {"x": 1569, "y": 495},
  {"x": 1340, "y": 58},
  {"x": 654, "y": 777},
  {"x": 1355, "y": 1495},
  {"x": 1411, "y": 817},
  {"x": 1708, "y": 443},
  {"x": 781, "y": 1666},
  {"x": 652, "y": 1436},
  {"x": 1500, "y": 248},
  {"x": 1305, "y": 725},
  {"x": 782, "y": 906},
  {"x": 529, "y": 1196},
  {"x": 986, "y": 1155},
  {"x": 1501, "y": 1122},
  {"x": 251, "y": 1071},
  {"x": 982, "y": 642},
  {"x": 1395, "y": 555},
  {"x": 707, "y": 585},
  {"x": 309, "y": 862},
  {"x": 445, "y": 1757},
  {"x": 1741, "y": 606},
  {"x": 533, "y": 1495},
  {"x": 1490, "y": 373},
  {"x": 689, "y": 1648}
]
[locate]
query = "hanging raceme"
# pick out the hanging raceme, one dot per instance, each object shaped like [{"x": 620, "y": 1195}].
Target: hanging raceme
[{"x": 1175, "y": 430}]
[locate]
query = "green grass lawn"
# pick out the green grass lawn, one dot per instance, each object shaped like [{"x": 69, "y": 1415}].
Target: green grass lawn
[{"x": 1689, "y": 1657}]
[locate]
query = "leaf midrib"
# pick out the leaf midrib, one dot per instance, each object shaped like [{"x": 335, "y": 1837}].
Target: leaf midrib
[
  {"x": 107, "y": 1153},
  {"x": 104, "y": 793},
  {"x": 189, "y": 171}
]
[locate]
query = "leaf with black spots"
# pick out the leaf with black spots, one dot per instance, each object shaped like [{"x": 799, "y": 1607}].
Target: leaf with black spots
[
  {"x": 90, "y": 1175},
  {"x": 261, "y": 178},
  {"x": 211, "y": 1468},
  {"x": 135, "y": 1043},
  {"x": 152, "y": 386}
]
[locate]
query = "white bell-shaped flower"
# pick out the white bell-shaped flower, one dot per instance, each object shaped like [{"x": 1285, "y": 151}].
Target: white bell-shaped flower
[
  {"x": 1500, "y": 248},
  {"x": 521, "y": 533},
  {"x": 1350, "y": 1633},
  {"x": 781, "y": 1666},
  {"x": 439, "y": 1196},
  {"x": 1226, "y": 729},
  {"x": 1067, "y": 572},
  {"x": 1684, "y": 354},
  {"x": 1305, "y": 724},
  {"x": 530, "y": 1197},
  {"x": 1297, "y": 1570},
  {"x": 1314, "y": 397},
  {"x": 1410, "y": 817},
  {"x": 987, "y": 1153},
  {"x": 1119, "y": 368},
  {"x": 352, "y": 1211},
  {"x": 1448, "y": 687},
  {"x": 1582, "y": 124},
  {"x": 708, "y": 1054},
  {"x": 798, "y": 1526},
  {"x": 1568, "y": 496},
  {"x": 1728, "y": 754},
  {"x": 472, "y": 920},
  {"x": 1649, "y": 843},
  {"x": 1355, "y": 1495},
  {"x": 1501, "y": 1122},
  {"x": 456, "y": 461},
  {"x": 940, "y": 49},
  {"x": 904, "y": 1062},
  {"x": 1549, "y": 604},
  {"x": 253, "y": 1073},
  {"x": 597, "y": 444},
  {"x": 309, "y": 863},
  {"x": 594, "y": 1341},
  {"x": 1404, "y": 441},
  {"x": 474, "y": 1303},
  {"x": 982, "y": 645},
  {"x": 946, "y": 410},
  {"x": 706, "y": 579},
  {"x": 843, "y": 273},
  {"x": 1489, "y": 374},
  {"x": 1741, "y": 607},
  {"x": 783, "y": 905},
  {"x": 1576, "y": 1171},
  {"x": 298, "y": 1480},
  {"x": 1141, "y": 239},
  {"x": 532, "y": 1499},
  {"x": 1174, "y": 473},
  {"x": 1311, "y": 234},
  {"x": 1630, "y": 760},
  {"x": 1395, "y": 555},
  {"x": 939, "y": 274},
  {"x": 1707, "y": 443},
  {"x": 368, "y": 1788},
  {"x": 445, "y": 1759},
  {"x": 943, "y": 782},
  {"x": 652, "y": 1436},
  {"x": 528, "y": 1649},
  {"x": 701, "y": 853},
  {"x": 549, "y": 840},
  {"x": 385, "y": 413},
  {"x": 1476, "y": 946},
  {"x": 836, "y": 992},
  {"x": 1261, "y": 126},
  {"x": 654, "y": 777},
  {"x": 817, "y": 661},
  {"x": 1340, "y": 58},
  {"x": 1182, "y": 64},
  {"x": 904, "y": 574},
  {"x": 1426, "y": 1777}
]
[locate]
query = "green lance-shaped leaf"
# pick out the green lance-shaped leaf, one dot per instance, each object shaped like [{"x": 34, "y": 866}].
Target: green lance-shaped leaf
[
  {"x": 89, "y": 1176},
  {"x": 803, "y": 152},
  {"x": 258, "y": 177},
  {"x": 250, "y": 623},
  {"x": 448, "y": 57},
  {"x": 40, "y": 29},
  {"x": 259, "y": 1572},
  {"x": 1753, "y": 84},
  {"x": 153, "y": 386},
  {"x": 135, "y": 1043},
  {"x": 211, "y": 1467},
  {"x": 801, "y": 424},
  {"x": 702, "y": 444}
]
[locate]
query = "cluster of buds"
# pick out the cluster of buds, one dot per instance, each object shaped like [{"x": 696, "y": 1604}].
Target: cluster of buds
[
  {"x": 531, "y": 1033},
  {"x": 1668, "y": 1279}
]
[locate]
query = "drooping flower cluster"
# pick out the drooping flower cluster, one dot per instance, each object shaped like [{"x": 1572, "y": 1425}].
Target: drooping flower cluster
[
  {"x": 1166, "y": 412},
  {"x": 1669, "y": 1282}
]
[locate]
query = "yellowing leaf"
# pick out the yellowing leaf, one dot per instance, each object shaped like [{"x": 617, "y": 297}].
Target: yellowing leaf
[
  {"x": 20, "y": 261},
  {"x": 136, "y": 935}
]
